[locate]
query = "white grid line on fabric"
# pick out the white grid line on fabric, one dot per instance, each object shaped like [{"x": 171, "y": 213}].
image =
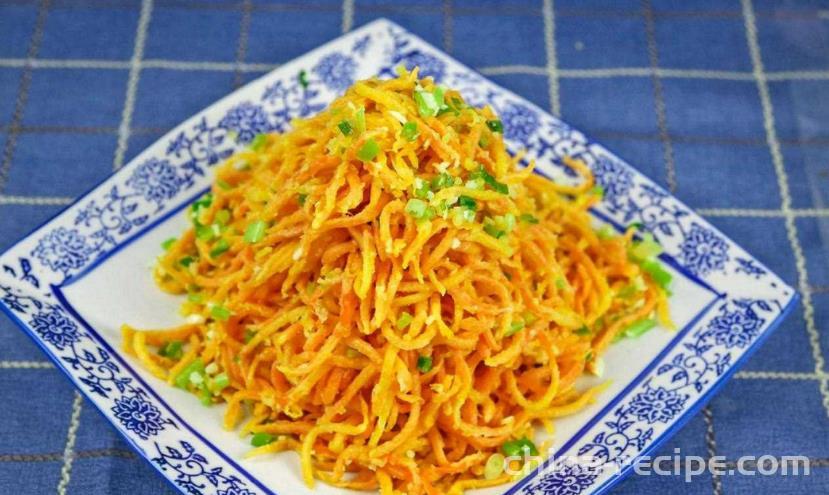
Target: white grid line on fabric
[
  {"x": 132, "y": 83},
  {"x": 762, "y": 213},
  {"x": 69, "y": 449},
  {"x": 34, "y": 200},
  {"x": 786, "y": 200},
  {"x": 448, "y": 36},
  {"x": 348, "y": 15},
  {"x": 780, "y": 375},
  {"x": 25, "y": 365},
  {"x": 551, "y": 69},
  {"x": 497, "y": 70},
  {"x": 711, "y": 446}
]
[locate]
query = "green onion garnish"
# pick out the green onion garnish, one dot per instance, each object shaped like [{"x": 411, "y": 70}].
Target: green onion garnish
[
  {"x": 255, "y": 231},
  {"x": 219, "y": 248},
  {"x": 442, "y": 180},
  {"x": 424, "y": 364},
  {"x": 514, "y": 328},
  {"x": 300, "y": 198},
  {"x": 583, "y": 330},
  {"x": 494, "y": 466},
  {"x": 369, "y": 150},
  {"x": 605, "y": 232},
  {"x": 490, "y": 180},
  {"x": 646, "y": 249},
  {"x": 195, "y": 297},
  {"x": 417, "y": 208},
  {"x": 494, "y": 231},
  {"x": 659, "y": 275},
  {"x": 597, "y": 190},
  {"x": 345, "y": 128},
  {"x": 204, "y": 233},
  {"x": 249, "y": 334},
  {"x": 495, "y": 126},
  {"x": 260, "y": 439},
  {"x": 519, "y": 447},
  {"x": 171, "y": 349},
  {"x": 589, "y": 356},
  {"x": 185, "y": 261},
  {"x": 222, "y": 216},
  {"x": 637, "y": 226},
  {"x": 528, "y": 218},
  {"x": 467, "y": 202},
  {"x": 183, "y": 378},
  {"x": 303, "y": 78},
  {"x": 561, "y": 283},
  {"x": 220, "y": 382},
  {"x": 639, "y": 328},
  {"x": 166, "y": 245},
  {"x": 220, "y": 313},
  {"x": 360, "y": 120},
  {"x": 410, "y": 131},
  {"x": 429, "y": 103},
  {"x": 404, "y": 320},
  {"x": 224, "y": 184},
  {"x": 259, "y": 141}
]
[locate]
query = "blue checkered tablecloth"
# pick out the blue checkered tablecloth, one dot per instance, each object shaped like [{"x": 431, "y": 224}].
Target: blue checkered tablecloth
[{"x": 726, "y": 103}]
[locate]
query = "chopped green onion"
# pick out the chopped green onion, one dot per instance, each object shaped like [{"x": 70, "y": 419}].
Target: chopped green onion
[
  {"x": 494, "y": 231},
  {"x": 659, "y": 275},
  {"x": 255, "y": 231},
  {"x": 597, "y": 190},
  {"x": 369, "y": 150},
  {"x": 589, "y": 356},
  {"x": 514, "y": 328},
  {"x": 259, "y": 141},
  {"x": 224, "y": 184},
  {"x": 219, "y": 248},
  {"x": 345, "y": 127},
  {"x": 528, "y": 218},
  {"x": 495, "y": 126},
  {"x": 204, "y": 233},
  {"x": 494, "y": 466},
  {"x": 467, "y": 202},
  {"x": 639, "y": 328},
  {"x": 410, "y": 131},
  {"x": 428, "y": 103},
  {"x": 185, "y": 261},
  {"x": 183, "y": 378},
  {"x": 220, "y": 313},
  {"x": 483, "y": 141},
  {"x": 261, "y": 439},
  {"x": 166, "y": 245},
  {"x": 424, "y": 364},
  {"x": 442, "y": 180},
  {"x": 404, "y": 320},
  {"x": 223, "y": 216},
  {"x": 605, "y": 232},
  {"x": 529, "y": 318},
  {"x": 646, "y": 249},
  {"x": 249, "y": 334},
  {"x": 583, "y": 330},
  {"x": 303, "y": 78},
  {"x": 637, "y": 226},
  {"x": 561, "y": 283},
  {"x": 627, "y": 291},
  {"x": 519, "y": 447},
  {"x": 300, "y": 198},
  {"x": 195, "y": 297},
  {"x": 360, "y": 120},
  {"x": 171, "y": 349},
  {"x": 490, "y": 180},
  {"x": 220, "y": 382},
  {"x": 417, "y": 208}
]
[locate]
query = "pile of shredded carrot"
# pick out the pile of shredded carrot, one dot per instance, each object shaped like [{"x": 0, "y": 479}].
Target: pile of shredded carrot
[{"x": 384, "y": 290}]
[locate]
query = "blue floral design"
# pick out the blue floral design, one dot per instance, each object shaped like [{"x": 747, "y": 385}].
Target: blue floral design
[
  {"x": 430, "y": 66},
  {"x": 336, "y": 71},
  {"x": 703, "y": 250},
  {"x": 156, "y": 180},
  {"x": 235, "y": 491},
  {"x": 569, "y": 479},
  {"x": 54, "y": 327},
  {"x": 615, "y": 179},
  {"x": 138, "y": 415},
  {"x": 62, "y": 250},
  {"x": 736, "y": 329},
  {"x": 657, "y": 404},
  {"x": 520, "y": 122},
  {"x": 247, "y": 120}
]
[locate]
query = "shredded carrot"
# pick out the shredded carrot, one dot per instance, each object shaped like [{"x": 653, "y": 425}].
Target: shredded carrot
[{"x": 385, "y": 291}]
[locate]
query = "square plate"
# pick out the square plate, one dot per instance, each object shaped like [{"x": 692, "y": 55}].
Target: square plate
[{"x": 72, "y": 282}]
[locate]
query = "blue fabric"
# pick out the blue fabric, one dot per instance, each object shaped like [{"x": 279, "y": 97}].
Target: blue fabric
[{"x": 713, "y": 125}]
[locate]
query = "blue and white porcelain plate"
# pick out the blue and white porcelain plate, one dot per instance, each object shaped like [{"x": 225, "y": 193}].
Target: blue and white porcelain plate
[{"x": 71, "y": 283}]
